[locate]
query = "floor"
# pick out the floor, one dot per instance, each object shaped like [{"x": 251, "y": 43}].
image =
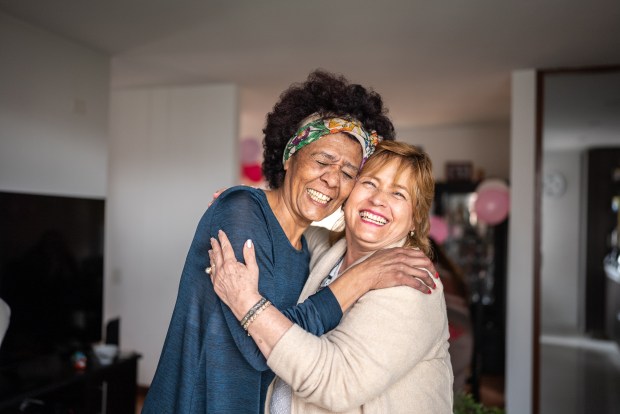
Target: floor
[{"x": 579, "y": 375}]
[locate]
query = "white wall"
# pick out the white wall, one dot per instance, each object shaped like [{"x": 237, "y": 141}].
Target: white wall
[
  {"x": 487, "y": 145},
  {"x": 520, "y": 287},
  {"x": 561, "y": 242},
  {"x": 53, "y": 113},
  {"x": 170, "y": 149}
]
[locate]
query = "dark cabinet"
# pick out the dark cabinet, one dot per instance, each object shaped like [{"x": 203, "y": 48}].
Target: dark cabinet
[
  {"x": 602, "y": 168},
  {"x": 52, "y": 385}
]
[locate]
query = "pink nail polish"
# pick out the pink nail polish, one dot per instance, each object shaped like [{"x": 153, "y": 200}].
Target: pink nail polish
[
  {"x": 437, "y": 275},
  {"x": 429, "y": 292}
]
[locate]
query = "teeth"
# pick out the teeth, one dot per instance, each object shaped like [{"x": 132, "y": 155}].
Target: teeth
[
  {"x": 318, "y": 197},
  {"x": 373, "y": 218}
]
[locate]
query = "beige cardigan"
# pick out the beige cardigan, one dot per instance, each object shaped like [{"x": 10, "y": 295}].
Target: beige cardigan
[{"x": 389, "y": 354}]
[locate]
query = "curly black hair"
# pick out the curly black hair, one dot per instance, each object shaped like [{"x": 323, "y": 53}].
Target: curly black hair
[{"x": 324, "y": 93}]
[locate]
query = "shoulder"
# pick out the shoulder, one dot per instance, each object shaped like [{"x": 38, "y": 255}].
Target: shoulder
[
  {"x": 240, "y": 201},
  {"x": 405, "y": 301},
  {"x": 316, "y": 236},
  {"x": 416, "y": 323},
  {"x": 320, "y": 249},
  {"x": 242, "y": 194},
  {"x": 242, "y": 212}
]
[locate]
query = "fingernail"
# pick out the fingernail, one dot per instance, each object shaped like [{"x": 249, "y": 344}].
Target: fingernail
[
  {"x": 434, "y": 285},
  {"x": 248, "y": 244},
  {"x": 212, "y": 240},
  {"x": 437, "y": 275},
  {"x": 429, "y": 291}
]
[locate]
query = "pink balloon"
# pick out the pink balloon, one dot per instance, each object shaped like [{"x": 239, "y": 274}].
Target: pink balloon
[
  {"x": 250, "y": 151},
  {"x": 439, "y": 229},
  {"x": 492, "y": 205},
  {"x": 492, "y": 183}
]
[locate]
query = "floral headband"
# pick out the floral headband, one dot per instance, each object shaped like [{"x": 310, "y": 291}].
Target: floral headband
[{"x": 314, "y": 127}]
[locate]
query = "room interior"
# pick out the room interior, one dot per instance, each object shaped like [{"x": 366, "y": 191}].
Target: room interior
[
  {"x": 102, "y": 89},
  {"x": 580, "y": 129}
]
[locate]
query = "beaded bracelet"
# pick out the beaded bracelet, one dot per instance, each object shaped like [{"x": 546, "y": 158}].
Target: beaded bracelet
[
  {"x": 255, "y": 315},
  {"x": 252, "y": 310}
]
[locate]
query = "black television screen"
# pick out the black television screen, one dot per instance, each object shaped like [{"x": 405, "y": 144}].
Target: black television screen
[{"x": 51, "y": 273}]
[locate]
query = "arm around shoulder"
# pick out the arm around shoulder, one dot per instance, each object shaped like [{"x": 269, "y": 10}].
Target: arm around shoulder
[{"x": 384, "y": 335}]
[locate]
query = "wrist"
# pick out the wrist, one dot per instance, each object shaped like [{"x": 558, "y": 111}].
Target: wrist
[
  {"x": 360, "y": 282},
  {"x": 348, "y": 288},
  {"x": 245, "y": 303}
]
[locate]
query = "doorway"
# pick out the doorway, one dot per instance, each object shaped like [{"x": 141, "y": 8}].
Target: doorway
[{"x": 579, "y": 362}]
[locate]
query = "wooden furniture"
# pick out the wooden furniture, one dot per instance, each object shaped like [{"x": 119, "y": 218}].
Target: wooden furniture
[{"x": 52, "y": 385}]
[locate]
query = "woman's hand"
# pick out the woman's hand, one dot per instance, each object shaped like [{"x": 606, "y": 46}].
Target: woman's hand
[
  {"x": 216, "y": 195},
  {"x": 235, "y": 283},
  {"x": 399, "y": 266}
]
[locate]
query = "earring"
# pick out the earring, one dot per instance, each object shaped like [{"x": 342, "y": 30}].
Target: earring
[{"x": 412, "y": 233}]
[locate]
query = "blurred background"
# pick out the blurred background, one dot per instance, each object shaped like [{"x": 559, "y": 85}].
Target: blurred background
[{"x": 151, "y": 105}]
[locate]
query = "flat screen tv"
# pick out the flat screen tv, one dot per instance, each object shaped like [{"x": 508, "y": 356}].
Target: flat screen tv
[{"x": 51, "y": 274}]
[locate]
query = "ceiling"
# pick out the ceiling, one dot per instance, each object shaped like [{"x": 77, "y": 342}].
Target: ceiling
[
  {"x": 581, "y": 110},
  {"x": 435, "y": 63}
]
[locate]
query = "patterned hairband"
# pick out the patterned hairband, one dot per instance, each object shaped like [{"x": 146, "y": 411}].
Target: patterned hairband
[{"x": 314, "y": 127}]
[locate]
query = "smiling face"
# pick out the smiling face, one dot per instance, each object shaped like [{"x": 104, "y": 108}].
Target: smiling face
[
  {"x": 320, "y": 176},
  {"x": 379, "y": 211}
]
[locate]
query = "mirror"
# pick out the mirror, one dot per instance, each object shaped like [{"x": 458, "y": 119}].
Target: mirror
[{"x": 579, "y": 304}]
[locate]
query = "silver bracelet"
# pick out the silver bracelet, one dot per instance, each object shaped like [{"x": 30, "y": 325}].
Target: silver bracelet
[
  {"x": 252, "y": 310},
  {"x": 255, "y": 315}
]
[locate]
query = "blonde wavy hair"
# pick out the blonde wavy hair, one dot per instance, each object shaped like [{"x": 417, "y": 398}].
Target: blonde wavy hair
[{"x": 418, "y": 167}]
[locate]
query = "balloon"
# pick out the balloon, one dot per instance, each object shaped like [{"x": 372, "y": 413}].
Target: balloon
[
  {"x": 492, "y": 183},
  {"x": 492, "y": 205},
  {"x": 252, "y": 172},
  {"x": 439, "y": 229},
  {"x": 250, "y": 151}
]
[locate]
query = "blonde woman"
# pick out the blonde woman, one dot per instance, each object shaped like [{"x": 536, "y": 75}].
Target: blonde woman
[{"x": 389, "y": 353}]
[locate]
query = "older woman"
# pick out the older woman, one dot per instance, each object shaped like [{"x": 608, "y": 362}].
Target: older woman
[
  {"x": 316, "y": 139},
  {"x": 389, "y": 354}
]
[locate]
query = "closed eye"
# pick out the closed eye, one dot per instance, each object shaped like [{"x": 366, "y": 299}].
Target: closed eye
[
  {"x": 369, "y": 183},
  {"x": 348, "y": 172}
]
